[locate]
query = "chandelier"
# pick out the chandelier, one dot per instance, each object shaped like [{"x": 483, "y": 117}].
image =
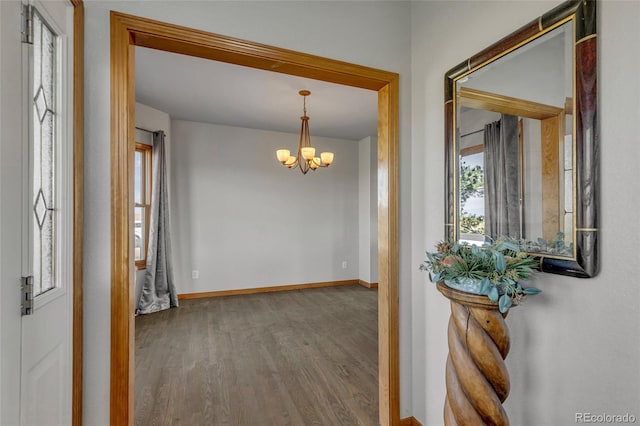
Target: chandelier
[{"x": 305, "y": 158}]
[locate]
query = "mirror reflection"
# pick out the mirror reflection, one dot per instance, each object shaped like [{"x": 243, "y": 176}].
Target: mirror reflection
[{"x": 514, "y": 145}]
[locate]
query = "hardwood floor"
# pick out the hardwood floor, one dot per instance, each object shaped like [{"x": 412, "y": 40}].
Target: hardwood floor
[{"x": 302, "y": 357}]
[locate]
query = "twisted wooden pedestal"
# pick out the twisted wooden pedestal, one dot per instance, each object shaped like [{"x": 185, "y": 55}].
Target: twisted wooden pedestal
[{"x": 477, "y": 378}]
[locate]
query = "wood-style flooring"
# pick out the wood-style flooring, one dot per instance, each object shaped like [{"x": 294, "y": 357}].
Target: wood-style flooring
[{"x": 302, "y": 357}]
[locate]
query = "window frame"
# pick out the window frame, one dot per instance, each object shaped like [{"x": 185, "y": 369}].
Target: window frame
[{"x": 145, "y": 199}]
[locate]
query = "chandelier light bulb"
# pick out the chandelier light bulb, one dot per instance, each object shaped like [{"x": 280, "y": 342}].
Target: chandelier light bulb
[
  {"x": 327, "y": 158},
  {"x": 283, "y": 155},
  {"x": 308, "y": 152}
]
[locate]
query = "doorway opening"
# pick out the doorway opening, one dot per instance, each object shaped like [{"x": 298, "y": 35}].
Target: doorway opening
[{"x": 129, "y": 31}]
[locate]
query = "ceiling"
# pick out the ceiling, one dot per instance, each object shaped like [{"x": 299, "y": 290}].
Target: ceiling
[{"x": 195, "y": 89}]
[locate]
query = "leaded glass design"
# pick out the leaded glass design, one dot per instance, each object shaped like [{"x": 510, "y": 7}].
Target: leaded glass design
[{"x": 43, "y": 154}]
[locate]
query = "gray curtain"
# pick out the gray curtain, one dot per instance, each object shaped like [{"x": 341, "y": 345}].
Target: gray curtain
[
  {"x": 158, "y": 288},
  {"x": 502, "y": 178}
]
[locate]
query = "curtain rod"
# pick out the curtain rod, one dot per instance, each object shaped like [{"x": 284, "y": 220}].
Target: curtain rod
[
  {"x": 147, "y": 130},
  {"x": 472, "y": 133}
]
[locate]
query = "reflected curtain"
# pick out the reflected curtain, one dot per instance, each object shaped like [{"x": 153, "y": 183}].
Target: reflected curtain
[
  {"x": 502, "y": 178},
  {"x": 158, "y": 288}
]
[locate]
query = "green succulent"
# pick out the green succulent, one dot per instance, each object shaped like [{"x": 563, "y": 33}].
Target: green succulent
[{"x": 499, "y": 266}]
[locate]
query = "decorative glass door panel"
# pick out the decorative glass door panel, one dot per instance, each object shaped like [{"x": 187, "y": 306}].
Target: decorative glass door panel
[{"x": 44, "y": 136}]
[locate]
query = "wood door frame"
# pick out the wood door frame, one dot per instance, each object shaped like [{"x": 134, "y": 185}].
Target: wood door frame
[
  {"x": 78, "y": 215},
  {"x": 128, "y": 31}
]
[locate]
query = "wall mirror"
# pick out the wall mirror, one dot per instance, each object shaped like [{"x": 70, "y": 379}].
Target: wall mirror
[{"x": 521, "y": 141}]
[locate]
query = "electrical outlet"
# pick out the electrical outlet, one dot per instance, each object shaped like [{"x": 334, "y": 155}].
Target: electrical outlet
[
  {"x": 195, "y": 274},
  {"x": 344, "y": 264}
]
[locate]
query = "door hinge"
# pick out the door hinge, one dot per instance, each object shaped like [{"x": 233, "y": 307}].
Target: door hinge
[
  {"x": 26, "y": 29},
  {"x": 26, "y": 303}
]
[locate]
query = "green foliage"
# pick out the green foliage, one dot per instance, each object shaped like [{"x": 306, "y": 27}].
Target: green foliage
[
  {"x": 556, "y": 246},
  {"x": 471, "y": 185},
  {"x": 498, "y": 266},
  {"x": 471, "y": 223},
  {"x": 471, "y": 182}
]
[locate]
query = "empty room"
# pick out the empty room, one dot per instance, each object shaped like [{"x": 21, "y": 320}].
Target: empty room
[{"x": 256, "y": 292}]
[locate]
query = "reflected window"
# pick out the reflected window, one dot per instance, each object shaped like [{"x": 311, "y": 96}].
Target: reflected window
[{"x": 472, "y": 194}]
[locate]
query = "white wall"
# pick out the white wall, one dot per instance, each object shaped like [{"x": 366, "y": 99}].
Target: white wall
[
  {"x": 374, "y": 34},
  {"x": 368, "y": 208},
  {"x": 542, "y": 71},
  {"x": 243, "y": 220},
  {"x": 373, "y": 211},
  {"x": 575, "y": 348},
  {"x": 151, "y": 119}
]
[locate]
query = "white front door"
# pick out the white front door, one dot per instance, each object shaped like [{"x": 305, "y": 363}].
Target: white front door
[{"x": 36, "y": 217}]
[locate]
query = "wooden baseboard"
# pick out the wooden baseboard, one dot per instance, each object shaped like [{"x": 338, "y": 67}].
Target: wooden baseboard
[
  {"x": 410, "y": 421},
  {"x": 367, "y": 285},
  {"x": 222, "y": 293}
]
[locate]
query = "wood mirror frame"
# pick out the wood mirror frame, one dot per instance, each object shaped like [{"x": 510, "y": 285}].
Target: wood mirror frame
[{"x": 584, "y": 263}]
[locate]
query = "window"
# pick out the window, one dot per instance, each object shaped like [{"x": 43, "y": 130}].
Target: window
[
  {"x": 142, "y": 202},
  {"x": 472, "y": 194},
  {"x": 44, "y": 137}
]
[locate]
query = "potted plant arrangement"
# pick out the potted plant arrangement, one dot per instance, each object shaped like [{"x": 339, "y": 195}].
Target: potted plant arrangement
[
  {"x": 495, "y": 269},
  {"x": 482, "y": 283}
]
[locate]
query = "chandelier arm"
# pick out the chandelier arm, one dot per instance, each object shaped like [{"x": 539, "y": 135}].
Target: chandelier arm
[
  {"x": 307, "y": 136},
  {"x": 303, "y": 165},
  {"x": 301, "y": 139},
  {"x": 302, "y": 162}
]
